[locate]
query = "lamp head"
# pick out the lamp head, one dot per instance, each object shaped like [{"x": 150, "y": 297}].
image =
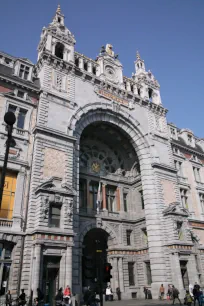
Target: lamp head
[{"x": 10, "y": 118}]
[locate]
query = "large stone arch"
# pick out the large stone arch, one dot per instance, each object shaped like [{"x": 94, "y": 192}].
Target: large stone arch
[
  {"x": 88, "y": 226},
  {"x": 119, "y": 117},
  {"x": 144, "y": 147}
]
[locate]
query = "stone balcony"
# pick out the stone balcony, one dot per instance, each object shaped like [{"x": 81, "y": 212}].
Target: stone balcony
[
  {"x": 200, "y": 185},
  {"x": 5, "y": 223},
  {"x": 182, "y": 180}
]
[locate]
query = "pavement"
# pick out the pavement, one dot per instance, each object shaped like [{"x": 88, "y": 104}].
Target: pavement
[{"x": 137, "y": 302}]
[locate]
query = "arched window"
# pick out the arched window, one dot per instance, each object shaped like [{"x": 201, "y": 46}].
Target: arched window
[
  {"x": 150, "y": 93},
  {"x": 77, "y": 62},
  {"x": 59, "y": 50}
]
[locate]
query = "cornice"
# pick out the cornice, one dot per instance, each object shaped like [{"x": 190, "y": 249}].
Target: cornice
[
  {"x": 190, "y": 150},
  {"x": 164, "y": 167},
  {"x": 51, "y": 132},
  {"x": 21, "y": 85}
]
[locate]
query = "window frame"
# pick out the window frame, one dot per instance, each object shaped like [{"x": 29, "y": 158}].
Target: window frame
[
  {"x": 18, "y": 110},
  {"x": 110, "y": 197},
  {"x": 129, "y": 237},
  {"x": 26, "y": 69},
  {"x": 55, "y": 205},
  {"x": 125, "y": 206},
  {"x": 184, "y": 196},
  {"x": 148, "y": 272},
  {"x": 131, "y": 273}
]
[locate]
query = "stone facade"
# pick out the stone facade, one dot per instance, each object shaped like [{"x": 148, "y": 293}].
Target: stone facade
[{"x": 89, "y": 132}]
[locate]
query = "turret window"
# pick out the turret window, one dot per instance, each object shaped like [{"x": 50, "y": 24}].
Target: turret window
[
  {"x": 150, "y": 93},
  {"x": 59, "y": 50},
  {"x": 24, "y": 72}
]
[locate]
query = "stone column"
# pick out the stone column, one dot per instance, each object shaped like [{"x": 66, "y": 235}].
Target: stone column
[
  {"x": 17, "y": 212},
  {"x": 128, "y": 88},
  {"x": 191, "y": 268},
  {"x": 112, "y": 283},
  {"x": 135, "y": 90},
  {"x": 115, "y": 272},
  {"x": 118, "y": 199},
  {"x": 36, "y": 271},
  {"x": 68, "y": 276},
  {"x": 89, "y": 67},
  {"x": 62, "y": 271},
  {"x": 176, "y": 271},
  {"x": 121, "y": 277},
  {"x": 104, "y": 196},
  {"x": 81, "y": 63}
]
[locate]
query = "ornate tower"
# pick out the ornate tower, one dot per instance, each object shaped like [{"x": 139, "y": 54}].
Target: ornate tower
[
  {"x": 149, "y": 88},
  {"x": 57, "y": 39}
]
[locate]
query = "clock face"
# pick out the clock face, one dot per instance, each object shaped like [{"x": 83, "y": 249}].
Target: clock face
[
  {"x": 110, "y": 73},
  {"x": 95, "y": 167}
]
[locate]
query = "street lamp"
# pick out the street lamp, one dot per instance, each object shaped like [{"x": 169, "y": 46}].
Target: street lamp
[{"x": 10, "y": 119}]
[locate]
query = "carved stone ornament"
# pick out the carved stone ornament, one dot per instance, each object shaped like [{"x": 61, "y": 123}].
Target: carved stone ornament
[
  {"x": 176, "y": 209},
  {"x": 69, "y": 210},
  {"x": 45, "y": 207},
  {"x": 194, "y": 237}
]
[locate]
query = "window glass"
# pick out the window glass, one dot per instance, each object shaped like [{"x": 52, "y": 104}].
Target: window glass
[
  {"x": 129, "y": 232},
  {"x": 6, "y": 211},
  {"x": 21, "y": 118},
  {"x": 125, "y": 201},
  {"x": 131, "y": 273},
  {"x": 149, "y": 273},
  {"x": 93, "y": 190},
  {"x": 55, "y": 216}
]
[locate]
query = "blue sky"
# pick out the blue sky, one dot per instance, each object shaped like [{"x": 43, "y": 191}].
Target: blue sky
[{"x": 169, "y": 35}]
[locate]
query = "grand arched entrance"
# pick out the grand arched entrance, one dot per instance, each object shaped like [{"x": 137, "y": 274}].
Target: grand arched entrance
[{"x": 95, "y": 246}]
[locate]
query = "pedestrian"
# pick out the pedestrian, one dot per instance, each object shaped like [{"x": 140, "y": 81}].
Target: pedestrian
[
  {"x": 59, "y": 297},
  {"x": 22, "y": 298},
  {"x": 162, "y": 291},
  {"x": 196, "y": 293},
  {"x": 108, "y": 293},
  {"x": 169, "y": 292},
  {"x": 188, "y": 298},
  {"x": 201, "y": 298},
  {"x": 8, "y": 298},
  {"x": 145, "y": 292},
  {"x": 118, "y": 292},
  {"x": 87, "y": 295},
  {"x": 67, "y": 295},
  {"x": 175, "y": 294}
]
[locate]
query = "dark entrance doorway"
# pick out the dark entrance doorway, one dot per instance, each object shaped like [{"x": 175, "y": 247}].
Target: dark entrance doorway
[
  {"x": 184, "y": 273},
  {"x": 51, "y": 266},
  {"x": 95, "y": 239}
]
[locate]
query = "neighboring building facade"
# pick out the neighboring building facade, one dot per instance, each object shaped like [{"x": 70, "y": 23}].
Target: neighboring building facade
[{"x": 86, "y": 134}]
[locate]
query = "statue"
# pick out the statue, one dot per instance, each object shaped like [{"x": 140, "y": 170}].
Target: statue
[{"x": 109, "y": 50}]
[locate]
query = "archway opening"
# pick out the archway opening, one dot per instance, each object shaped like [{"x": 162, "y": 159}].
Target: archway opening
[
  {"x": 95, "y": 246},
  {"x": 59, "y": 50},
  {"x": 107, "y": 160}
]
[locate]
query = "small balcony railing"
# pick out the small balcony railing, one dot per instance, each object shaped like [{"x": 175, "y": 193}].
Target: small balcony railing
[
  {"x": 5, "y": 223},
  {"x": 182, "y": 180}
]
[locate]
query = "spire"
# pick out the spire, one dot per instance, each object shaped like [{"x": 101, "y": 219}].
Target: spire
[
  {"x": 139, "y": 64},
  {"x": 58, "y": 11},
  {"x": 138, "y": 55}
]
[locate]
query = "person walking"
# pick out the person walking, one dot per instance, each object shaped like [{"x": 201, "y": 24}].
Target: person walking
[
  {"x": 108, "y": 293},
  {"x": 145, "y": 292},
  {"x": 162, "y": 291},
  {"x": 196, "y": 293},
  {"x": 169, "y": 292},
  {"x": 118, "y": 292},
  {"x": 188, "y": 298},
  {"x": 22, "y": 298},
  {"x": 8, "y": 298},
  {"x": 175, "y": 294}
]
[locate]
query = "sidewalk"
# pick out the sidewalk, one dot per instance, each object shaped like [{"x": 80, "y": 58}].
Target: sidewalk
[{"x": 137, "y": 302}]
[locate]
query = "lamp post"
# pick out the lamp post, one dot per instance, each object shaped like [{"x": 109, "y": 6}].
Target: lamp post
[{"x": 10, "y": 119}]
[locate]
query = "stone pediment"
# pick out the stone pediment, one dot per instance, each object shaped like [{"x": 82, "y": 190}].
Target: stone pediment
[
  {"x": 175, "y": 209},
  {"x": 56, "y": 185}
]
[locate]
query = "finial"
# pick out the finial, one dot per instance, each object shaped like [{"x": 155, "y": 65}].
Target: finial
[
  {"x": 138, "y": 55},
  {"x": 58, "y": 9}
]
